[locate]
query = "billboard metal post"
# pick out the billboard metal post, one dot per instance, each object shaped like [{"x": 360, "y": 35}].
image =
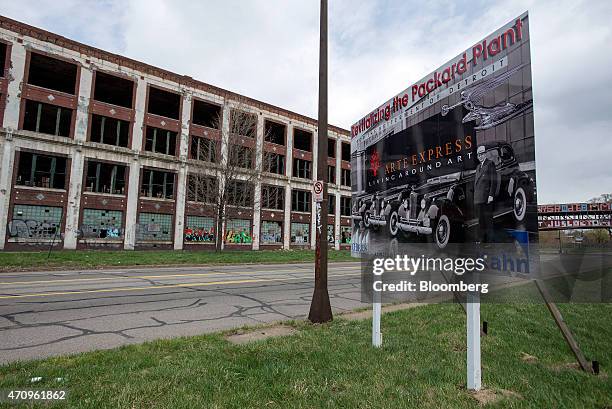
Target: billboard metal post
[
  {"x": 320, "y": 308},
  {"x": 376, "y": 315},
  {"x": 474, "y": 382}
]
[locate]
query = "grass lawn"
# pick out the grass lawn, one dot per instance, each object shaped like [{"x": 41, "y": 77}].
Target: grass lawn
[
  {"x": 421, "y": 365},
  {"x": 83, "y": 259}
]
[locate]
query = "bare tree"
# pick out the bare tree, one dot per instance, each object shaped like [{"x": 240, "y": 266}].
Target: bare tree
[{"x": 224, "y": 174}]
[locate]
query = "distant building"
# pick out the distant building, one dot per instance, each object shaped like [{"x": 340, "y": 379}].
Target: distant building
[{"x": 96, "y": 154}]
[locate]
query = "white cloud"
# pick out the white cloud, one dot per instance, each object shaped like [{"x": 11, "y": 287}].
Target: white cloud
[{"x": 268, "y": 50}]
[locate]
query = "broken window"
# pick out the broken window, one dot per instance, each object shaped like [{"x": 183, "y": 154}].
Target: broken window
[
  {"x": 271, "y": 232},
  {"x": 157, "y": 183},
  {"x": 164, "y": 103},
  {"x": 51, "y": 73},
  {"x": 47, "y": 118},
  {"x": 241, "y": 156},
  {"x": 272, "y": 197},
  {"x": 331, "y": 174},
  {"x": 105, "y": 178},
  {"x": 243, "y": 123},
  {"x": 160, "y": 141},
  {"x": 41, "y": 171},
  {"x": 302, "y": 140},
  {"x": 346, "y": 177},
  {"x": 302, "y": 168},
  {"x": 154, "y": 227},
  {"x": 3, "y": 48},
  {"x": 274, "y": 163},
  {"x": 275, "y": 132},
  {"x": 113, "y": 90},
  {"x": 206, "y": 114},
  {"x": 239, "y": 193},
  {"x": 331, "y": 148},
  {"x": 203, "y": 149},
  {"x": 203, "y": 189},
  {"x": 346, "y": 151},
  {"x": 300, "y": 200},
  {"x": 331, "y": 205},
  {"x": 345, "y": 206},
  {"x": 110, "y": 131}
]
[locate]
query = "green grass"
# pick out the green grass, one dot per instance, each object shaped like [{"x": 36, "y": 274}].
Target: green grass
[
  {"x": 421, "y": 365},
  {"x": 11, "y": 261}
]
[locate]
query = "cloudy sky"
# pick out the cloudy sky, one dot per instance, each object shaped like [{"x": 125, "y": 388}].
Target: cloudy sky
[{"x": 268, "y": 50}]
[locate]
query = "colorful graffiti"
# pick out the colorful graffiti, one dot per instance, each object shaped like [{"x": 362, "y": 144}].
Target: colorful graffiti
[
  {"x": 238, "y": 237},
  {"x": 199, "y": 235},
  {"x": 32, "y": 229}
]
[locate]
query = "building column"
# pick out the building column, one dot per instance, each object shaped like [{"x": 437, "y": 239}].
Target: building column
[
  {"x": 75, "y": 189},
  {"x": 181, "y": 187},
  {"x": 313, "y": 217},
  {"x": 131, "y": 211},
  {"x": 10, "y": 123},
  {"x": 257, "y": 183},
  {"x": 338, "y": 193},
  {"x": 287, "y": 202},
  {"x": 225, "y": 128}
]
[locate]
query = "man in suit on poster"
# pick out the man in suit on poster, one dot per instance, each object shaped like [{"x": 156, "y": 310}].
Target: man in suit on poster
[{"x": 485, "y": 184}]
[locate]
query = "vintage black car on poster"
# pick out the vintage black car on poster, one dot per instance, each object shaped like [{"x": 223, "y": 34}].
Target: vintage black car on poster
[{"x": 441, "y": 209}]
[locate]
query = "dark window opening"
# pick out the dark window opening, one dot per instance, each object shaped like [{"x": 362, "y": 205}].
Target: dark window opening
[
  {"x": 345, "y": 206},
  {"x": 164, "y": 103},
  {"x": 109, "y": 130},
  {"x": 156, "y": 183},
  {"x": 206, "y": 114},
  {"x": 331, "y": 205},
  {"x": 239, "y": 193},
  {"x": 302, "y": 168},
  {"x": 41, "y": 171},
  {"x": 346, "y": 177},
  {"x": 241, "y": 156},
  {"x": 113, "y": 90},
  {"x": 274, "y": 163},
  {"x": 203, "y": 189},
  {"x": 346, "y": 151},
  {"x": 272, "y": 197},
  {"x": 160, "y": 141},
  {"x": 331, "y": 174},
  {"x": 105, "y": 178},
  {"x": 275, "y": 132},
  {"x": 300, "y": 201},
  {"x": 331, "y": 148},
  {"x": 3, "y": 48},
  {"x": 47, "y": 118},
  {"x": 52, "y": 73},
  {"x": 243, "y": 123},
  {"x": 203, "y": 149},
  {"x": 302, "y": 140}
]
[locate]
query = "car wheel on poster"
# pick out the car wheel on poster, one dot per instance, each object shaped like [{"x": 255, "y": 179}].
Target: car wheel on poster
[
  {"x": 519, "y": 204},
  {"x": 392, "y": 220},
  {"x": 443, "y": 231}
]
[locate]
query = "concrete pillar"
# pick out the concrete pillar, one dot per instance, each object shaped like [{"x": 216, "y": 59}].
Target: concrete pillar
[
  {"x": 313, "y": 223},
  {"x": 181, "y": 187},
  {"x": 78, "y": 161},
  {"x": 288, "y": 170},
  {"x": 10, "y": 123},
  {"x": 134, "y": 180},
  {"x": 225, "y": 127},
  {"x": 257, "y": 182},
  {"x": 339, "y": 184}
]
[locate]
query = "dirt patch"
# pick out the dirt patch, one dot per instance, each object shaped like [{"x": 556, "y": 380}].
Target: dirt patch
[
  {"x": 366, "y": 314},
  {"x": 528, "y": 358},
  {"x": 487, "y": 396},
  {"x": 262, "y": 333}
]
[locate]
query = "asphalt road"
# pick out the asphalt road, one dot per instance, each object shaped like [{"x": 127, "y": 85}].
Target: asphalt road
[{"x": 52, "y": 313}]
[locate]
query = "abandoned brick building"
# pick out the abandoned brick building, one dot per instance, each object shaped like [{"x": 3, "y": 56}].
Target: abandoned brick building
[{"x": 96, "y": 154}]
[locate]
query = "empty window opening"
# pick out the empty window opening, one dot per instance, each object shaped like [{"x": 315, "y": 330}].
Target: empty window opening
[
  {"x": 300, "y": 201},
  {"x": 243, "y": 123},
  {"x": 345, "y": 206},
  {"x": 47, "y": 118},
  {"x": 331, "y": 174},
  {"x": 203, "y": 189},
  {"x": 302, "y": 168},
  {"x": 239, "y": 193},
  {"x": 274, "y": 163},
  {"x": 331, "y": 205},
  {"x": 346, "y": 177},
  {"x": 272, "y": 197},
  {"x": 164, "y": 103},
  {"x": 331, "y": 148},
  {"x": 346, "y": 151},
  {"x": 52, "y": 73},
  {"x": 275, "y": 132},
  {"x": 241, "y": 156},
  {"x": 113, "y": 90},
  {"x": 203, "y": 149},
  {"x": 302, "y": 140},
  {"x": 206, "y": 114},
  {"x": 160, "y": 141},
  {"x": 3, "y": 48},
  {"x": 156, "y": 183},
  {"x": 41, "y": 171},
  {"x": 110, "y": 131},
  {"x": 105, "y": 178}
]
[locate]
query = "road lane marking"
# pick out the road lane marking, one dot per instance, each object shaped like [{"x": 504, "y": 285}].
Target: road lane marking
[{"x": 153, "y": 287}]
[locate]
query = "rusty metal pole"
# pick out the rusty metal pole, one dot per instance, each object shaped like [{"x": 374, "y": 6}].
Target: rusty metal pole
[{"x": 320, "y": 308}]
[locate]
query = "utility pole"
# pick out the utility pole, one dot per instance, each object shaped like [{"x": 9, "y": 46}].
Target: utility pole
[{"x": 320, "y": 308}]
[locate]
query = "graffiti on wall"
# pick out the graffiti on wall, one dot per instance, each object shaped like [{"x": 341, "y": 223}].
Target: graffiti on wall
[
  {"x": 199, "y": 235},
  {"x": 238, "y": 237},
  {"x": 32, "y": 229}
]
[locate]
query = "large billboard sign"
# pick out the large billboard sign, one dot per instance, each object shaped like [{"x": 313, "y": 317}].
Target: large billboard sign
[{"x": 451, "y": 158}]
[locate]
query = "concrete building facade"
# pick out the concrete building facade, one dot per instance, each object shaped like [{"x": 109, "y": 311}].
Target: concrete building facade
[{"x": 97, "y": 150}]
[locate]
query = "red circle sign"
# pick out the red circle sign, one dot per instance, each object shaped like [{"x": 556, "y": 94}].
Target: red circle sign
[{"x": 318, "y": 187}]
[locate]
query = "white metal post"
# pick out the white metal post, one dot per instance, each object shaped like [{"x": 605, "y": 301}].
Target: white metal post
[
  {"x": 473, "y": 341},
  {"x": 376, "y": 315}
]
